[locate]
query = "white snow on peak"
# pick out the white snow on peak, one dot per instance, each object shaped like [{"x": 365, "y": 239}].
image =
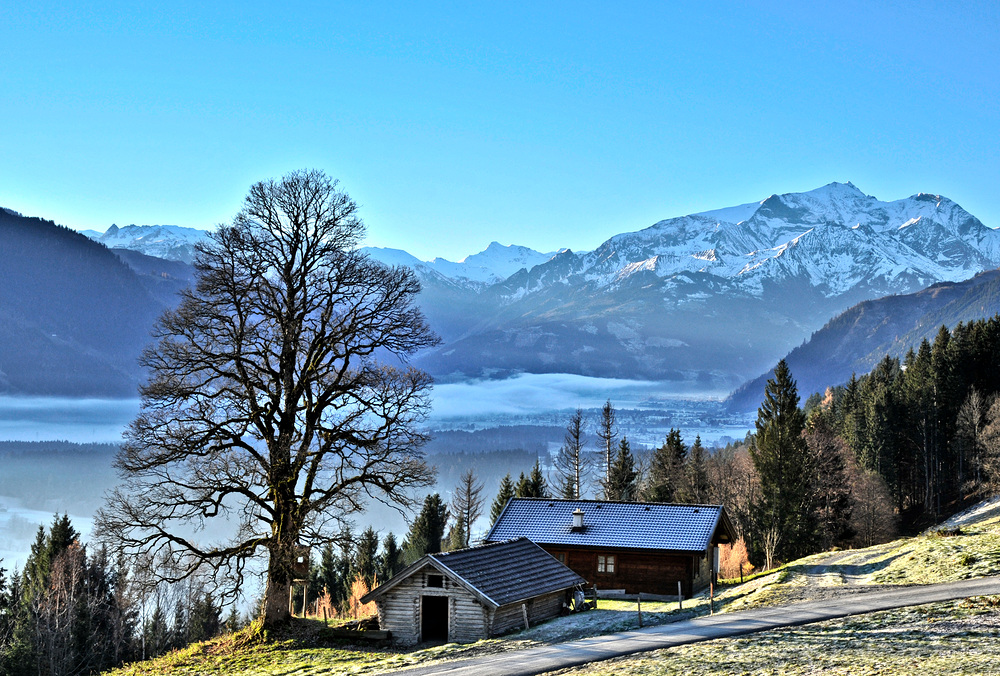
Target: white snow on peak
[
  {"x": 494, "y": 264},
  {"x": 172, "y": 242},
  {"x": 735, "y": 214}
]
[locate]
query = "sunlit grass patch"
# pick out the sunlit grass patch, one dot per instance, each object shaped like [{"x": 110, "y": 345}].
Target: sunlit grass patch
[
  {"x": 933, "y": 557},
  {"x": 959, "y": 637}
]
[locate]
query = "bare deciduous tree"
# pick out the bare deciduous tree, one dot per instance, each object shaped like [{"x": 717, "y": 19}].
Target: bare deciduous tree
[
  {"x": 988, "y": 460},
  {"x": 571, "y": 463},
  {"x": 973, "y": 440},
  {"x": 874, "y": 519},
  {"x": 467, "y": 504},
  {"x": 274, "y": 404}
]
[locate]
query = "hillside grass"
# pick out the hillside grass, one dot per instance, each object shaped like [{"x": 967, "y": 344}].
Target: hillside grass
[
  {"x": 957, "y": 637},
  {"x": 948, "y": 634}
]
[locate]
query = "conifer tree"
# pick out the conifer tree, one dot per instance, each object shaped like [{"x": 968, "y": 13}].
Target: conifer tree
[
  {"x": 607, "y": 432},
  {"x": 366, "y": 564},
  {"x": 623, "y": 480},
  {"x": 505, "y": 493},
  {"x": 697, "y": 485},
  {"x": 427, "y": 530},
  {"x": 533, "y": 485},
  {"x": 390, "y": 561},
  {"x": 666, "y": 476},
  {"x": 204, "y": 618},
  {"x": 781, "y": 457},
  {"x": 466, "y": 507}
]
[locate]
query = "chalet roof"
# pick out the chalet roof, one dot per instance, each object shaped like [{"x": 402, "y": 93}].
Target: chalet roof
[
  {"x": 498, "y": 573},
  {"x": 625, "y": 525}
]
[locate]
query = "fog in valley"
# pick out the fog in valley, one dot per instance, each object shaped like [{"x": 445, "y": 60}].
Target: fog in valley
[{"x": 491, "y": 426}]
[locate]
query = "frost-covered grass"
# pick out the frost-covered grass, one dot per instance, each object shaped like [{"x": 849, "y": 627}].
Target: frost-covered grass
[
  {"x": 305, "y": 650},
  {"x": 958, "y": 637},
  {"x": 934, "y": 557}
]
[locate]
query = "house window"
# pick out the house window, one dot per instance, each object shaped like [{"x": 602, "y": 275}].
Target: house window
[
  {"x": 435, "y": 581},
  {"x": 605, "y": 563},
  {"x": 561, "y": 558}
]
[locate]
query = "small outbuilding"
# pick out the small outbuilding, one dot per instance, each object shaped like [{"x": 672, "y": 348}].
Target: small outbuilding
[
  {"x": 473, "y": 593},
  {"x": 634, "y": 546}
]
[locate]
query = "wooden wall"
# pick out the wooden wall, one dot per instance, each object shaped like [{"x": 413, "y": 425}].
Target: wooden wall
[
  {"x": 635, "y": 572},
  {"x": 399, "y": 609},
  {"x": 510, "y": 618},
  {"x": 468, "y": 619}
]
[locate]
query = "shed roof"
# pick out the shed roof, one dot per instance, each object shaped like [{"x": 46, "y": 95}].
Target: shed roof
[
  {"x": 626, "y": 525},
  {"x": 498, "y": 573}
]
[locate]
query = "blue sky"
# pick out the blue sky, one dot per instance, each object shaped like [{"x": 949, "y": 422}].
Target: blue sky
[{"x": 455, "y": 124}]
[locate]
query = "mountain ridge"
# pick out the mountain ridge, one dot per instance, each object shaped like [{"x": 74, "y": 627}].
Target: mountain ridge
[
  {"x": 698, "y": 302},
  {"x": 854, "y": 341}
]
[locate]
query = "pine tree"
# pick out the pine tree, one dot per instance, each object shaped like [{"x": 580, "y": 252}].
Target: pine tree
[
  {"x": 390, "y": 561},
  {"x": 427, "y": 530},
  {"x": 366, "y": 564},
  {"x": 345, "y": 566},
  {"x": 466, "y": 507},
  {"x": 783, "y": 463},
  {"x": 697, "y": 485},
  {"x": 832, "y": 485},
  {"x": 666, "y": 475},
  {"x": 204, "y": 619},
  {"x": 457, "y": 536},
  {"x": 505, "y": 493},
  {"x": 623, "y": 480},
  {"x": 533, "y": 485},
  {"x": 325, "y": 576},
  {"x": 607, "y": 432}
]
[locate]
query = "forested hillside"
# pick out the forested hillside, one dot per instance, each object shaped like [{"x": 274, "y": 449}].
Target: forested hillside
[
  {"x": 929, "y": 424},
  {"x": 73, "y": 316},
  {"x": 857, "y": 339}
]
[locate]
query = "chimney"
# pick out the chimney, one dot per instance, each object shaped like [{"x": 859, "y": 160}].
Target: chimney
[{"x": 577, "y": 520}]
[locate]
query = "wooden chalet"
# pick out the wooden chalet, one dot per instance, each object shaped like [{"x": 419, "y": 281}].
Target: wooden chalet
[
  {"x": 638, "y": 547},
  {"x": 473, "y": 593}
]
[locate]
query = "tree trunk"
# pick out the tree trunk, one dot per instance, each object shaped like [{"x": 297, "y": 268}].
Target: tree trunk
[{"x": 279, "y": 587}]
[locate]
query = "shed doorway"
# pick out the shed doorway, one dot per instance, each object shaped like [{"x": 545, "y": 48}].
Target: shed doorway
[{"x": 434, "y": 618}]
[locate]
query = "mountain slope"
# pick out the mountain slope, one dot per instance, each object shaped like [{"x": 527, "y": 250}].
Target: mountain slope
[
  {"x": 707, "y": 302},
  {"x": 494, "y": 264},
  {"x": 171, "y": 242},
  {"x": 73, "y": 316},
  {"x": 855, "y": 340}
]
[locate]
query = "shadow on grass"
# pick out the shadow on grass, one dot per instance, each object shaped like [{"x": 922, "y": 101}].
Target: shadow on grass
[{"x": 845, "y": 569}]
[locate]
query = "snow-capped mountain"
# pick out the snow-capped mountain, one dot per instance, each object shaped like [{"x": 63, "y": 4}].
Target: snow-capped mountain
[
  {"x": 834, "y": 239},
  {"x": 706, "y": 300},
  {"x": 713, "y": 297},
  {"x": 171, "y": 242},
  {"x": 495, "y": 264}
]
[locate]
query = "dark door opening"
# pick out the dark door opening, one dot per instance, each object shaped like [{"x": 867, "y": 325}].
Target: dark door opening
[{"x": 434, "y": 619}]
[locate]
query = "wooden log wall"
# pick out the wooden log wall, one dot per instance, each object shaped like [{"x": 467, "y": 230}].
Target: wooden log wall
[
  {"x": 399, "y": 609},
  {"x": 635, "y": 572},
  {"x": 509, "y": 617}
]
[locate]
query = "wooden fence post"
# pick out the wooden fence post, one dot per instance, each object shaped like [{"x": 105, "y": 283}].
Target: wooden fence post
[
  {"x": 524, "y": 613},
  {"x": 680, "y": 597},
  {"x": 639, "y": 605}
]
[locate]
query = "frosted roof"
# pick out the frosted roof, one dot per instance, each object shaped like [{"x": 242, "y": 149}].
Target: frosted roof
[{"x": 626, "y": 525}]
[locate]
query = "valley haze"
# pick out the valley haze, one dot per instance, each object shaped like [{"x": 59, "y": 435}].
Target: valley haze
[{"x": 664, "y": 322}]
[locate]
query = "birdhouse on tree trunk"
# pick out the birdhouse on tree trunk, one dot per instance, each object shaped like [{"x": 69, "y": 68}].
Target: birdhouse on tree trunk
[{"x": 300, "y": 563}]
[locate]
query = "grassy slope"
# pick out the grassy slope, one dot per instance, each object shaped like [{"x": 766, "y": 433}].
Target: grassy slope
[
  {"x": 948, "y": 635},
  {"x": 958, "y": 637}
]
